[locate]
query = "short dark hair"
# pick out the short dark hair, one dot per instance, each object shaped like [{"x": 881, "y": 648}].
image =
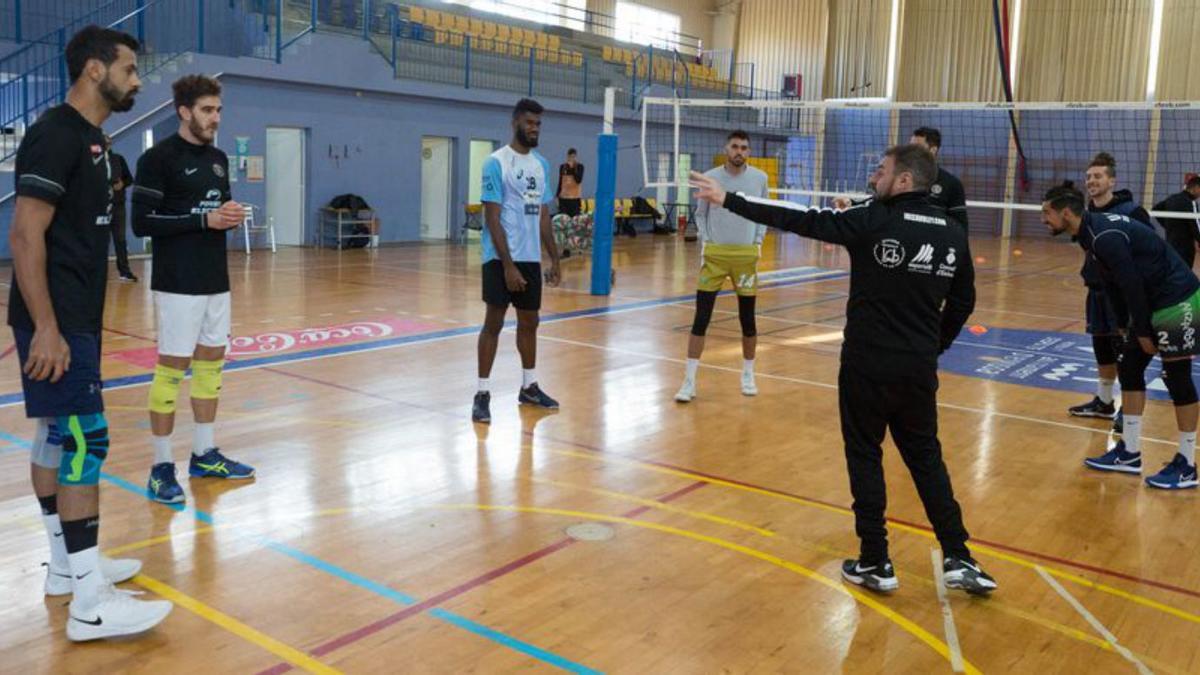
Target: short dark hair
[
  {"x": 932, "y": 136},
  {"x": 1193, "y": 182},
  {"x": 738, "y": 133},
  {"x": 94, "y": 42},
  {"x": 916, "y": 160},
  {"x": 571, "y": 151},
  {"x": 1065, "y": 196},
  {"x": 191, "y": 88},
  {"x": 527, "y": 105},
  {"x": 1107, "y": 161}
]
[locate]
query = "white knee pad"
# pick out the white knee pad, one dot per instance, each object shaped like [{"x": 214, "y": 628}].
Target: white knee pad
[{"x": 46, "y": 451}]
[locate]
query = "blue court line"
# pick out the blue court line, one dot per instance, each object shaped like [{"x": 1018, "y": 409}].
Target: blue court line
[
  {"x": 377, "y": 588},
  {"x": 814, "y": 274}
]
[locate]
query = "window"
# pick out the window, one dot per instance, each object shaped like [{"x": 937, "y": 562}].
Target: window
[
  {"x": 646, "y": 25},
  {"x": 566, "y": 13}
]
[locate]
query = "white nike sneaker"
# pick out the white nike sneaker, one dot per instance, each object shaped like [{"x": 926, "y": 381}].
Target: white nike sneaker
[
  {"x": 58, "y": 582},
  {"x": 117, "y": 613},
  {"x": 748, "y": 386},
  {"x": 687, "y": 392}
]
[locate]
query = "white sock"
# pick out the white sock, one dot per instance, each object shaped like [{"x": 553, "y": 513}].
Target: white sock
[
  {"x": 202, "y": 438},
  {"x": 87, "y": 581},
  {"x": 484, "y": 385},
  {"x": 162, "y": 449},
  {"x": 1104, "y": 390},
  {"x": 693, "y": 365},
  {"x": 58, "y": 545},
  {"x": 528, "y": 377},
  {"x": 748, "y": 367},
  {"x": 1187, "y": 446},
  {"x": 1132, "y": 433}
]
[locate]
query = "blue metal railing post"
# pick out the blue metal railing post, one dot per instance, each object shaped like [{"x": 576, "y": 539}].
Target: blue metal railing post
[
  {"x": 751, "y": 79},
  {"x": 200, "y": 26},
  {"x": 141, "y": 20},
  {"x": 467, "y": 47},
  {"x": 366, "y": 19},
  {"x": 25, "y": 100},
  {"x": 17, "y": 17},
  {"x": 278, "y": 31},
  {"x": 532, "y": 51},
  {"x": 585, "y": 79},
  {"x": 312, "y": 15},
  {"x": 62, "y": 65},
  {"x": 395, "y": 24}
]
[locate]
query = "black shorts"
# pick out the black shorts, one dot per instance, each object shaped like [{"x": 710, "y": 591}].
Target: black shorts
[
  {"x": 1101, "y": 319},
  {"x": 78, "y": 392},
  {"x": 568, "y": 206},
  {"x": 496, "y": 293}
]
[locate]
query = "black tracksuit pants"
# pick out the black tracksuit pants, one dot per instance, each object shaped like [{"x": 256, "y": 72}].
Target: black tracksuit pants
[{"x": 908, "y": 407}]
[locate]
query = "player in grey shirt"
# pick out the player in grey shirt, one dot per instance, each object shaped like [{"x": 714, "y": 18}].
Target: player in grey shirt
[{"x": 730, "y": 249}]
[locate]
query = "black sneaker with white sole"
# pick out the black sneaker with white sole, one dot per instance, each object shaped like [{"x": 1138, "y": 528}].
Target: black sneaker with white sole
[
  {"x": 481, "y": 409},
  {"x": 1094, "y": 408},
  {"x": 533, "y": 395},
  {"x": 880, "y": 577},
  {"x": 966, "y": 574}
]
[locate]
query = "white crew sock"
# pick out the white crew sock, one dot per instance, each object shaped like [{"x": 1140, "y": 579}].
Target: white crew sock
[
  {"x": 693, "y": 365},
  {"x": 484, "y": 385},
  {"x": 1104, "y": 390},
  {"x": 203, "y": 438},
  {"x": 528, "y": 377},
  {"x": 162, "y": 449},
  {"x": 747, "y": 366},
  {"x": 1187, "y": 446},
  {"x": 1132, "y": 433},
  {"x": 58, "y": 545}
]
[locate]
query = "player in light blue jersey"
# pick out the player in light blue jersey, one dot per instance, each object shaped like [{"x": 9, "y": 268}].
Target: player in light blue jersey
[{"x": 516, "y": 182}]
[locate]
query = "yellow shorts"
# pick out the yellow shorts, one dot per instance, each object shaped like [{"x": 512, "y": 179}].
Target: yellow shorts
[{"x": 737, "y": 262}]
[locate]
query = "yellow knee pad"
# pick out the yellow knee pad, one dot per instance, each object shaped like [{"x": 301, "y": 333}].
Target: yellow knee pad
[
  {"x": 164, "y": 389},
  {"x": 206, "y": 379}
]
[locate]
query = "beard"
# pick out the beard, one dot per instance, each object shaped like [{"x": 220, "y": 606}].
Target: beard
[
  {"x": 117, "y": 100},
  {"x": 200, "y": 132},
  {"x": 738, "y": 161},
  {"x": 526, "y": 140}
]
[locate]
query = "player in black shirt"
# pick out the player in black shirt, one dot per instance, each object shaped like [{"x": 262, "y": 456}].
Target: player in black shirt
[
  {"x": 181, "y": 199},
  {"x": 121, "y": 180},
  {"x": 947, "y": 190},
  {"x": 911, "y": 290},
  {"x": 1183, "y": 233},
  {"x": 59, "y": 240}
]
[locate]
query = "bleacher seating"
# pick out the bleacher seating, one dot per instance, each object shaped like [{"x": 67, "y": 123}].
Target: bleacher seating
[{"x": 489, "y": 36}]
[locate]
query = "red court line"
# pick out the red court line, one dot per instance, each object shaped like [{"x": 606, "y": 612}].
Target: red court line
[
  {"x": 1005, "y": 547},
  {"x": 129, "y": 335},
  {"x": 11, "y": 348},
  {"x": 444, "y": 596}
]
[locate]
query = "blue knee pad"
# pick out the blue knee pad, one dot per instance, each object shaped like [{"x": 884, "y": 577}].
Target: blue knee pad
[
  {"x": 1178, "y": 377},
  {"x": 84, "y": 448}
]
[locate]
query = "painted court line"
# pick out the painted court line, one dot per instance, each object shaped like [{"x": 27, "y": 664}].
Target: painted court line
[
  {"x": 1094, "y": 622},
  {"x": 444, "y": 596},
  {"x": 956, "y": 657},
  {"x": 369, "y": 585}
]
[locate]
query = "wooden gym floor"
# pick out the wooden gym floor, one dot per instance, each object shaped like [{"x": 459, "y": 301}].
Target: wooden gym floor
[{"x": 386, "y": 533}]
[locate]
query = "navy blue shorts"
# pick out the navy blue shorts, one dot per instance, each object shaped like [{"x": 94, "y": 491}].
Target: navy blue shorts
[
  {"x": 1101, "y": 319},
  {"x": 77, "y": 392}
]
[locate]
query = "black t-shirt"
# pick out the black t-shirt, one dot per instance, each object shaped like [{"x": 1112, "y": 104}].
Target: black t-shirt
[
  {"x": 947, "y": 192},
  {"x": 62, "y": 161},
  {"x": 177, "y": 184}
]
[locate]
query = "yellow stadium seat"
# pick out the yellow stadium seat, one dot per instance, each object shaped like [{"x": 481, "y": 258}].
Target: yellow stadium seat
[
  {"x": 502, "y": 32},
  {"x": 462, "y": 24},
  {"x": 551, "y": 56},
  {"x": 433, "y": 18},
  {"x": 489, "y": 29},
  {"x": 416, "y": 14},
  {"x": 555, "y": 42},
  {"x": 456, "y": 38},
  {"x": 440, "y": 36},
  {"x": 543, "y": 40},
  {"x": 476, "y": 27},
  {"x": 500, "y": 47},
  {"x": 606, "y": 53},
  {"x": 530, "y": 38},
  {"x": 577, "y": 59},
  {"x": 626, "y": 206}
]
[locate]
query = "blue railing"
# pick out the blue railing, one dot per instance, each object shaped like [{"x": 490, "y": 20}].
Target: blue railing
[
  {"x": 22, "y": 20},
  {"x": 37, "y": 75}
]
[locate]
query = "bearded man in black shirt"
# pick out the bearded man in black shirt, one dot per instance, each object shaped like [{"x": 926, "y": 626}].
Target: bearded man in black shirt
[
  {"x": 181, "y": 199},
  {"x": 59, "y": 240}
]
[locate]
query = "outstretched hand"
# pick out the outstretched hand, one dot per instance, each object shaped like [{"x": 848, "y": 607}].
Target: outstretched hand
[{"x": 707, "y": 188}]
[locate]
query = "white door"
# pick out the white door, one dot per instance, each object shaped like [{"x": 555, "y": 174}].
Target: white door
[
  {"x": 285, "y": 184},
  {"x": 435, "y": 187}
]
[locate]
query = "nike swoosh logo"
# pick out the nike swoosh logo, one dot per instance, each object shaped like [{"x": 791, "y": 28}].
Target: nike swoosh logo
[
  {"x": 98, "y": 621},
  {"x": 65, "y": 576},
  {"x": 79, "y": 577},
  {"x": 58, "y": 534},
  {"x": 188, "y": 172}
]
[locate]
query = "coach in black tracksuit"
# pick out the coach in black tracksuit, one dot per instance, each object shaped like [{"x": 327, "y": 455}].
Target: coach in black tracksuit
[{"x": 911, "y": 291}]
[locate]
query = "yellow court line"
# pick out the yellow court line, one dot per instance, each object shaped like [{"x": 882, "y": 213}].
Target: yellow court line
[
  {"x": 883, "y": 610},
  {"x": 655, "y": 504},
  {"x": 981, "y": 548},
  {"x": 152, "y": 541},
  {"x": 290, "y": 654}
]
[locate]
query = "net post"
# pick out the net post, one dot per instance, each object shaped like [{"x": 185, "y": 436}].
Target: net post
[
  {"x": 1152, "y": 155},
  {"x": 606, "y": 188}
]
